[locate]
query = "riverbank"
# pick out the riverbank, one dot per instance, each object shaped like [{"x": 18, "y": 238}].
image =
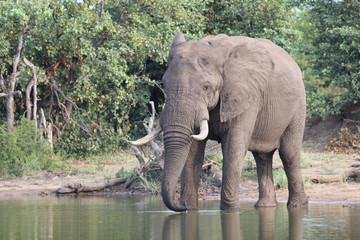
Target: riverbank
[{"x": 323, "y": 173}]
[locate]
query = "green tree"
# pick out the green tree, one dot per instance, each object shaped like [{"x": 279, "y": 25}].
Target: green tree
[
  {"x": 334, "y": 35},
  {"x": 94, "y": 61},
  {"x": 269, "y": 19}
]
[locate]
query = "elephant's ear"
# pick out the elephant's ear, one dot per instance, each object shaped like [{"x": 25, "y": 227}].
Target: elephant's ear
[
  {"x": 246, "y": 71},
  {"x": 179, "y": 38}
]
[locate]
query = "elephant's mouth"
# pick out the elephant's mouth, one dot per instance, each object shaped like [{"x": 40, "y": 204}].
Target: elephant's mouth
[{"x": 204, "y": 132}]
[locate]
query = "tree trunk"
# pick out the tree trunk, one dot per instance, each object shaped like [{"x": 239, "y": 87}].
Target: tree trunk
[
  {"x": 11, "y": 93},
  {"x": 32, "y": 84},
  {"x": 28, "y": 99}
]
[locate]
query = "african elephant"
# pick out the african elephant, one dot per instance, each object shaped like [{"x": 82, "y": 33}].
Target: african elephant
[{"x": 245, "y": 93}]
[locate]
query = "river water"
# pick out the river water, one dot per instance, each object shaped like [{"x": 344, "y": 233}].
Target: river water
[{"x": 146, "y": 217}]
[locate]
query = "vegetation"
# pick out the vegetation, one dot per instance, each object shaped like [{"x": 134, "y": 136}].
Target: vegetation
[
  {"x": 98, "y": 63},
  {"x": 345, "y": 142},
  {"x": 21, "y": 152}
]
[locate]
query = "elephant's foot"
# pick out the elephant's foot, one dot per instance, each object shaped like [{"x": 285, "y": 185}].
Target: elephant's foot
[
  {"x": 298, "y": 202},
  {"x": 230, "y": 205},
  {"x": 266, "y": 202},
  {"x": 229, "y": 209}
]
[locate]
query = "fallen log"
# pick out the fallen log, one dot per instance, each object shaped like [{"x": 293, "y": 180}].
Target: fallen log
[
  {"x": 354, "y": 172},
  {"x": 323, "y": 178},
  {"x": 350, "y": 174},
  {"x": 90, "y": 187}
]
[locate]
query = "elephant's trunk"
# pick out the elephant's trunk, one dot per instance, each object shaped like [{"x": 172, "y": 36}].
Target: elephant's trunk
[
  {"x": 179, "y": 122},
  {"x": 177, "y": 144}
]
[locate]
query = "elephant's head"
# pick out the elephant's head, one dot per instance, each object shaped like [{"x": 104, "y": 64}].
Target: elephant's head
[{"x": 229, "y": 71}]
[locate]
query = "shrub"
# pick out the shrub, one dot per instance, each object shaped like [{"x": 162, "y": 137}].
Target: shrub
[
  {"x": 346, "y": 142},
  {"x": 21, "y": 151}
]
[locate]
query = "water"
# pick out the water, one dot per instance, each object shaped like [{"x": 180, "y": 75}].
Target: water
[{"x": 145, "y": 217}]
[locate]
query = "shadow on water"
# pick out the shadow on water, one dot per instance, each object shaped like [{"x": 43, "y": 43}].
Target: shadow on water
[{"x": 231, "y": 225}]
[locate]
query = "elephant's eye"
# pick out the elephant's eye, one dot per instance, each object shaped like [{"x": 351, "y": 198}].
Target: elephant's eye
[
  {"x": 206, "y": 87},
  {"x": 204, "y": 62}
]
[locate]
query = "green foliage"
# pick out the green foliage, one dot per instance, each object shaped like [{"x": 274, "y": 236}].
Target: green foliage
[
  {"x": 97, "y": 57},
  {"x": 334, "y": 35},
  {"x": 280, "y": 179},
  {"x": 21, "y": 151},
  {"x": 269, "y": 19},
  {"x": 123, "y": 173},
  {"x": 357, "y": 179},
  {"x": 100, "y": 62}
]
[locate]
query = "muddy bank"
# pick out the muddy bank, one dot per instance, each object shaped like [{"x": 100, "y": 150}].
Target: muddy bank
[{"x": 48, "y": 182}]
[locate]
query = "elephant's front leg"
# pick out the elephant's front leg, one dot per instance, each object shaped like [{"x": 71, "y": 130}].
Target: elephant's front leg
[
  {"x": 234, "y": 146},
  {"x": 191, "y": 174}
]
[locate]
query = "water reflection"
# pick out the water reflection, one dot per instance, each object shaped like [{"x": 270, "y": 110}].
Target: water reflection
[
  {"x": 296, "y": 216},
  {"x": 267, "y": 218},
  {"x": 144, "y": 217},
  {"x": 230, "y": 226},
  {"x": 237, "y": 225}
]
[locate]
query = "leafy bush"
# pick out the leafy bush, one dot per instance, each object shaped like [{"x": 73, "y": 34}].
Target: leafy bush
[{"x": 21, "y": 151}]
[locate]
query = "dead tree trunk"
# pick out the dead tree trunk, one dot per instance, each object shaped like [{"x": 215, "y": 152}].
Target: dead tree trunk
[
  {"x": 11, "y": 86},
  {"x": 47, "y": 129},
  {"x": 89, "y": 187},
  {"x": 31, "y": 113},
  {"x": 28, "y": 99}
]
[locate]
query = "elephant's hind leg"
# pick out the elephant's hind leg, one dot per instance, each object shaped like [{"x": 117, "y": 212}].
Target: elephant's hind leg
[
  {"x": 267, "y": 197},
  {"x": 290, "y": 147}
]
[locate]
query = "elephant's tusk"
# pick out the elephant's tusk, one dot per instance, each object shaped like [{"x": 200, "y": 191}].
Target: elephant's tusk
[
  {"x": 204, "y": 131},
  {"x": 148, "y": 137}
]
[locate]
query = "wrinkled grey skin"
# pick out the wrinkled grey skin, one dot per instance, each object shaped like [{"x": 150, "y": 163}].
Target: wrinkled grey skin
[{"x": 252, "y": 94}]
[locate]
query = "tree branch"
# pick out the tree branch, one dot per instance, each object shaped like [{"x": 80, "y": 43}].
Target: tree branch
[
  {"x": 11, "y": 88},
  {"x": 2, "y": 84},
  {"x": 149, "y": 128},
  {"x": 17, "y": 58},
  {"x": 80, "y": 113},
  {"x": 101, "y": 9},
  {"x": 28, "y": 99},
  {"x": 33, "y": 84}
]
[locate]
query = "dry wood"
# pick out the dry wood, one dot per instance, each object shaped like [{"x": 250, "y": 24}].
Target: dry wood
[
  {"x": 323, "y": 178},
  {"x": 32, "y": 84},
  {"x": 149, "y": 129},
  {"x": 354, "y": 172},
  {"x": 351, "y": 173},
  {"x": 28, "y": 99},
  {"x": 2, "y": 84},
  {"x": 90, "y": 187},
  {"x": 47, "y": 128}
]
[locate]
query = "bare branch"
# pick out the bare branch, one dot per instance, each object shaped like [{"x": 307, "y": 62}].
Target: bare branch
[
  {"x": 27, "y": 98},
  {"x": 17, "y": 92},
  {"x": 34, "y": 86},
  {"x": 30, "y": 65},
  {"x": 157, "y": 83},
  {"x": 79, "y": 112},
  {"x": 17, "y": 57},
  {"x": 101, "y": 8},
  {"x": 137, "y": 153},
  {"x": 149, "y": 128},
  {"x": 2, "y": 84}
]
